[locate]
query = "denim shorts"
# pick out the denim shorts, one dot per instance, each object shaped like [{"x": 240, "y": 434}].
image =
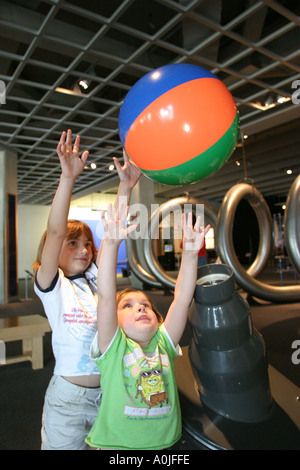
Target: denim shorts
[{"x": 68, "y": 415}]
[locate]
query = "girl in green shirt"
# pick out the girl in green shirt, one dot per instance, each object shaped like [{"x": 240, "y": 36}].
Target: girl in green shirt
[{"x": 134, "y": 350}]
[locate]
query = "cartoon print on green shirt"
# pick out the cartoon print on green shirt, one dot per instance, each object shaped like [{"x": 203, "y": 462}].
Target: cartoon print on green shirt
[{"x": 151, "y": 388}]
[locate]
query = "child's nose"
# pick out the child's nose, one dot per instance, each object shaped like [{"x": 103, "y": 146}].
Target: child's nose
[{"x": 141, "y": 308}]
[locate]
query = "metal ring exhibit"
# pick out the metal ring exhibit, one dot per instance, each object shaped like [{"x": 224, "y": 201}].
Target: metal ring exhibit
[
  {"x": 225, "y": 224},
  {"x": 210, "y": 215},
  {"x": 140, "y": 272},
  {"x": 226, "y": 249},
  {"x": 292, "y": 224}
]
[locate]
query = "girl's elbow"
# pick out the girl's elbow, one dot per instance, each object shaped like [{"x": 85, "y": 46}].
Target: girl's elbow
[{"x": 56, "y": 232}]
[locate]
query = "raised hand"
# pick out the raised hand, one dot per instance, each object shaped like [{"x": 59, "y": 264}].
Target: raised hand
[
  {"x": 129, "y": 174},
  {"x": 193, "y": 236},
  {"x": 115, "y": 224},
  {"x": 71, "y": 163}
]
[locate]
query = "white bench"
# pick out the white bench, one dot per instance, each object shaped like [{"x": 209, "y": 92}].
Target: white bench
[{"x": 30, "y": 329}]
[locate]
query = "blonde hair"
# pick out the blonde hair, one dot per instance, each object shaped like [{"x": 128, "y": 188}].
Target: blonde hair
[
  {"x": 123, "y": 292},
  {"x": 75, "y": 229}
]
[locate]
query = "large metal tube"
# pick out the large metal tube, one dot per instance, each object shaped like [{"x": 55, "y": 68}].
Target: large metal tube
[
  {"x": 210, "y": 215},
  {"x": 140, "y": 272},
  {"x": 227, "y": 252},
  {"x": 292, "y": 224},
  {"x": 261, "y": 209}
]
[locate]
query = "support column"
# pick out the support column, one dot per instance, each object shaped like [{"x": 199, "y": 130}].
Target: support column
[{"x": 8, "y": 225}]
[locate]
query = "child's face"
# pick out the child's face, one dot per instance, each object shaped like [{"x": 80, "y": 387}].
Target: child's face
[
  {"x": 136, "y": 318},
  {"x": 75, "y": 256}
]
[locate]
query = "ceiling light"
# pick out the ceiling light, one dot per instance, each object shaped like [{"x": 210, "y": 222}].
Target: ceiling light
[
  {"x": 84, "y": 83},
  {"x": 289, "y": 171},
  {"x": 111, "y": 167},
  {"x": 270, "y": 101},
  {"x": 93, "y": 166},
  {"x": 282, "y": 99}
]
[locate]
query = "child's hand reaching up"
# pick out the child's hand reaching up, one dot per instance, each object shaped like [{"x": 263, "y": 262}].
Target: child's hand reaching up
[
  {"x": 129, "y": 174},
  {"x": 193, "y": 238},
  {"x": 114, "y": 225},
  {"x": 71, "y": 164}
]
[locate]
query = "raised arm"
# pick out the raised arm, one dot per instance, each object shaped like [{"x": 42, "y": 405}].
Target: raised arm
[
  {"x": 71, "y": 166},
  {"x": 193, "y": 240},
  {"x": 129, "y": 175},
  {"x": 114, "y": 232}
]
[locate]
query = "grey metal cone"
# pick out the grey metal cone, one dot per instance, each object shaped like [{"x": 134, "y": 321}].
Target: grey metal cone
[{"x": 226, "y": 353}]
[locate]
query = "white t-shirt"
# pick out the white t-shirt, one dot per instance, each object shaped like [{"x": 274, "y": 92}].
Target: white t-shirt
[{"x": 71, "y": 308}]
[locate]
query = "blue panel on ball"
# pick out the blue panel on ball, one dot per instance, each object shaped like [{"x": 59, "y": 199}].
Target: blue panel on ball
[{"x": 151, "y": 86}]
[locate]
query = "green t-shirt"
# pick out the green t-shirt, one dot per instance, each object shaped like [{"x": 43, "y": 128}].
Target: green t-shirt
[{"x": 140, "y": 407}]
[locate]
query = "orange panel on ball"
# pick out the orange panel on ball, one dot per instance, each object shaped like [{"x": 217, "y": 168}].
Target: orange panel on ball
[{"x": 180, "y": 124}]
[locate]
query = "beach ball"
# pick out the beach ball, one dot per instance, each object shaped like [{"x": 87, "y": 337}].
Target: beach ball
[{"x": 178, "y": 124}]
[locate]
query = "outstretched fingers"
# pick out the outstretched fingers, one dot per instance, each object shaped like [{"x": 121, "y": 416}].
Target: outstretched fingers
[
  {"x": 84, "y": 156},
  {"x": 197, "y": 224},
  {"x": 115, "y": 222},
  {"x": 76, "y": 144},
  {"x": 69, "y": 140},
  {"x": 61, "y": 144},
  {"x": 193, "y": 235},
  {"x": 64, "y": 146},
  {"x": 187, "y": 225}
]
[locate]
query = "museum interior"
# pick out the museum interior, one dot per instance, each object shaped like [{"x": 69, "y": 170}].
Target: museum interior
[{"x": 107, "y": 70}]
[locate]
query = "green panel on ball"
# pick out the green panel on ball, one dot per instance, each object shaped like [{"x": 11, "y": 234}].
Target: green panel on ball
[{"x": 201, "y": 166}]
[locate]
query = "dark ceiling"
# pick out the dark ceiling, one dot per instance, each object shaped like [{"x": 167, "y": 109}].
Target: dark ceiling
[{"x": 48, "y": 46}]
